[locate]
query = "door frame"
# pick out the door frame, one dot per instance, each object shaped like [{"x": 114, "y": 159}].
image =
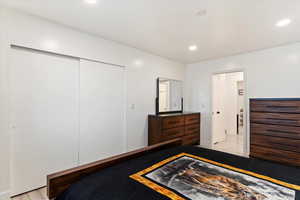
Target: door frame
[{"x": 246, "y": 101}]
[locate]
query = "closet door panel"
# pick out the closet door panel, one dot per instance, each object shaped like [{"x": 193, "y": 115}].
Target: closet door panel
[
  {"x": 44, "y": 108},
  {"x": 102, "y": 111}
]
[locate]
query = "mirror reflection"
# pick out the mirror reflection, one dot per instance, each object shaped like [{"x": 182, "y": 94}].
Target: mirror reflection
[{"x": 170, "y": 95}]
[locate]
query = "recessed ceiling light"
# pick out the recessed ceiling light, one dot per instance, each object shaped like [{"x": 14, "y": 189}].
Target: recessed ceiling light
[
  {"x": 283, "y": 22},
  {"x": 193, "y": 48},
  {"x": 138, "y": 63},
  {"x": 91, "y": 1}
]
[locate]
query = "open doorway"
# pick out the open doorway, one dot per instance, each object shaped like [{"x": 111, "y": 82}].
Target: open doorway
[{"x": 228, "y": 119}]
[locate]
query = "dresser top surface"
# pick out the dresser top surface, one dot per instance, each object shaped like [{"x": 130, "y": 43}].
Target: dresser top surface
[
  {"x": 175, "y": 114},
  {"x": 274, "y": 99}
]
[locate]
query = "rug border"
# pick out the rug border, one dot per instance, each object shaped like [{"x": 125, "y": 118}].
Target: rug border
[{"x": 172, "y": 195}]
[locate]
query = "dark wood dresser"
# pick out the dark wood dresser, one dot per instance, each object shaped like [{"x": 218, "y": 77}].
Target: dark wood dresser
[
  {"x": 275, "y": 130},
  {"x": 169, "y": 126}
]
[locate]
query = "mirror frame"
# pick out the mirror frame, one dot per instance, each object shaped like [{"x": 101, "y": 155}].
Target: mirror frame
[{"x": 157, "y": 100}]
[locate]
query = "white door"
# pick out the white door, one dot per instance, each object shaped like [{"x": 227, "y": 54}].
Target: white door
[
  {"x": 218, "y": 107},
  {"x": 44, "y": 116},
  {"x": 102, "y": 111}
]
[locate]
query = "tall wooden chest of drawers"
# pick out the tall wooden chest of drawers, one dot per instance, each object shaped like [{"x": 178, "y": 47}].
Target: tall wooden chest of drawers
[
  {"x": 170, "y": 126},
  {"x": 275, "y": 130}
]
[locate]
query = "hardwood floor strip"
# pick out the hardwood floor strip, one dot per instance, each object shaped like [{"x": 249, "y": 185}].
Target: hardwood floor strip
[
  {"x": 43, "y": 193},
  {"x": 39, "y": 194},
  {"x": 35, "y": 195}
]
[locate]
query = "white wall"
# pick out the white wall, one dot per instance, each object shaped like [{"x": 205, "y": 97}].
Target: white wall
[
  {"x": 141, "y": 93},
  {"x": 142, "y": 69},
  {"x": 268, "y": 73},
  {"x": 4, "y": 135}
]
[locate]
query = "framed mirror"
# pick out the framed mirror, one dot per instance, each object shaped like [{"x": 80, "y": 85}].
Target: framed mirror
[{"x": 169, "y": 96}]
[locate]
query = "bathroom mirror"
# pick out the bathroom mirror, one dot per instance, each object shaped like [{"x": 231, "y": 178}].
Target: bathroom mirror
[{"x": 169, "y": 96}]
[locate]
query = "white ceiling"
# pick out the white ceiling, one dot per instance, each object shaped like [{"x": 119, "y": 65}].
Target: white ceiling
[{"x": 168, "y": 27}]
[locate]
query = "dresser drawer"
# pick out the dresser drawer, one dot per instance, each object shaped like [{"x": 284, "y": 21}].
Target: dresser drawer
[
  {"x": 288, "y": 157},
  {"x": 275, "y": 130},
  {"x": 173, "y": 133},
  {"x": 172, "y": 122},
  {"x": 170, "y": 126},
  {"x": 191, "y": 139},
  {"x": 192, "y": 119},
  {"x": 276, "y": 143},
  {"x": 275, "y": 106},
  {"x": 275, "y": 118},
  {"x": 192, "y": 129}
]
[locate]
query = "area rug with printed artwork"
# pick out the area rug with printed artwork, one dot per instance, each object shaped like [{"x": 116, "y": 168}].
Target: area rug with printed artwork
[{"x": 186, "y": 176}]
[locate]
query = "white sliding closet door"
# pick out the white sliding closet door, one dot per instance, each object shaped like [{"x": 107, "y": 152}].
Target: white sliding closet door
[
  {"x": 102, "y": 111},
  {"x": 45, "y": 113}
]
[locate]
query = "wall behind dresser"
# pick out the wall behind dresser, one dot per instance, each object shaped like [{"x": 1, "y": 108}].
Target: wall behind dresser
[
  {"x": 142, "y": 69},
  {"x": 271, "y": 72},
  {"x": 4, "y": 135}
]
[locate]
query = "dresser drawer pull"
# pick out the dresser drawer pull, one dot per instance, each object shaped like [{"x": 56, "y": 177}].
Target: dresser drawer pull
[
  {"x": 191, "y": 129},
  {"x": 174, "y": 132},
  {"x": 173, "y": 122},
  {"x": 193, "y": 119}
]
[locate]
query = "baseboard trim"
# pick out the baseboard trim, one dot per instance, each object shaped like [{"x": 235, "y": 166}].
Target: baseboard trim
[{"x": 5, "y": 195}]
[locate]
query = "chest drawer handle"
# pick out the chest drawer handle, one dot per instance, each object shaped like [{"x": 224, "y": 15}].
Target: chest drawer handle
[
  {"x": 283, "y": 107},
  {"x": 277, "y": 131},
  {"x": 288, "y": 120}
]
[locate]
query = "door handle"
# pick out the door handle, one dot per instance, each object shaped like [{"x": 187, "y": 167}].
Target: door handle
[{"x": 218, "y": 112}]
